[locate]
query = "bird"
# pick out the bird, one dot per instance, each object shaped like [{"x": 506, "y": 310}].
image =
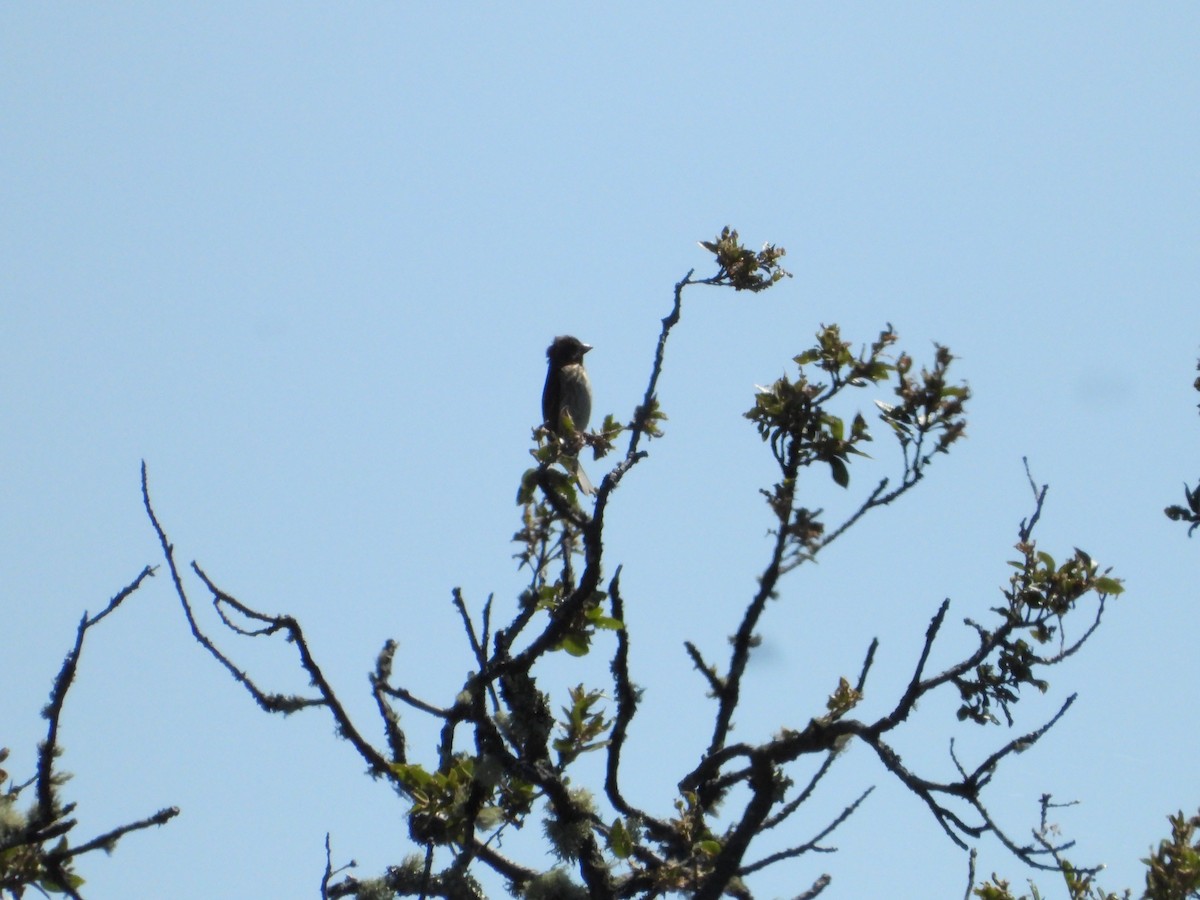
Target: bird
[{"x": 568, "y": 394}]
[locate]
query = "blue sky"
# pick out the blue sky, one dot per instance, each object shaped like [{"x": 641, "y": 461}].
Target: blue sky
[{"x": 304, "y": 259}]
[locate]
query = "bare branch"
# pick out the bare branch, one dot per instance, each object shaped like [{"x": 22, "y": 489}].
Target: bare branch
[
  {"x": 108, "y": 840},
  {"x": 295, "y": 635},
  {"x": 1039, "y": 500},
  {"x": 627, "y": 697},
  {"x": 640, "y": 419},
  {"x": 866, "y": 666},
  {"x": 817, "y": 888},
  {"x": 1019, "y": 745},
  {"x": 709, "y": 672},
  {"x": 58, "y": 695},
  {"x": 812, "y": 845},
  {"x": 794, "y": 804}
]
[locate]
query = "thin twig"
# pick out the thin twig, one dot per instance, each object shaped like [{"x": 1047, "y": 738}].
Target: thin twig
[{"x": 811, "y": 845}]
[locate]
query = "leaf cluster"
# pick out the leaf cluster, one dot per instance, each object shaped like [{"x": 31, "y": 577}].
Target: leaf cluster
[
  {"x": 1039, "y": 596},
  {"x": 1190, "y": 512},
  {"x": 445, "y": 804},
  {"x": 1172, "y": 870},
  {"x": 792, "y": 417},
  {"x": 796, "y": 418},
  {"x": 744, "y": 269}
]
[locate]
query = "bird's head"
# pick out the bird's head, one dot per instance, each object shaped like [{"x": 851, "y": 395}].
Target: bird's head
[{"x": 566, "y": 350}]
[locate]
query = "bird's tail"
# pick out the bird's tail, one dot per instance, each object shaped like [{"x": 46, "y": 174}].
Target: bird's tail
[{"x": 585, "y": 483}]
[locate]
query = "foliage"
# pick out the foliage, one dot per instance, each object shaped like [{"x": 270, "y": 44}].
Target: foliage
[
  {"x": 1191, "y": 512},
  {"x": 743, "y": 269},
  {"x": 1172, "y": 871},
  {"x": 504, "y": 758}
]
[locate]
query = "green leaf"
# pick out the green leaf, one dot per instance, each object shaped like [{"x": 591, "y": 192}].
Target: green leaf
[
  {"x": 575, "y": 644},
  {"x": 1106, "y": 585},
  {"x": 619, "y": 841},
  {"x": 53, "y": 887},
  {"x": 490, "y": 817},
  {"x": 841, "y": 475},
  {"x": 526, "y": 491},
  {"x": 596, "y": 616},
  {"x": 412, "y": 775}
]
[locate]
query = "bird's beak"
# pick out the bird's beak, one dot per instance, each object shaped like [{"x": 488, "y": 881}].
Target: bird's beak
[{"x": 586, "y": 348}]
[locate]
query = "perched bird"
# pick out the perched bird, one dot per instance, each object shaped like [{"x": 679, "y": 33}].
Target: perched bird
[{"x": 568, "y": 391}]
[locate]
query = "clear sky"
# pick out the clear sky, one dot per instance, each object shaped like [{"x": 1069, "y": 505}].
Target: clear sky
[{"x": 304, "y": 259}]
